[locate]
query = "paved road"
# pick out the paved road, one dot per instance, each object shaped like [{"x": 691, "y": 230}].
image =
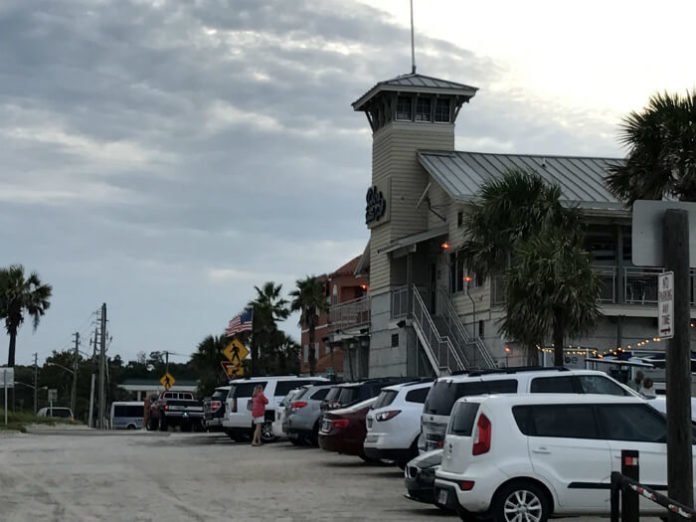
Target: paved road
[{"x": 192, "y": 477}]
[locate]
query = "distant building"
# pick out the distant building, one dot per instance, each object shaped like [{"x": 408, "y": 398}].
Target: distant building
[{"x": 345, "y": 294}]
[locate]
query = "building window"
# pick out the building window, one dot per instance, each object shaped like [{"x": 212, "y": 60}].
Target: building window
[
  {"x": 442, "y": 110},
  {"x": 404, "y": 108},
  {"x": 395, "y": 340},
  {"x": 458, "y": 271},
  {"x": 305, "y": 355},
  {"x": 481, "y": 329},
  {"x": 460, "y": 218},
  {"x": 423, "y": 109},
  {"x": 334, "y": 295}
]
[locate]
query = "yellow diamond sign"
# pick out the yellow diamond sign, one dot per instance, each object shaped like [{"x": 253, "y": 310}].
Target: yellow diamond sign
[
  {"x": 236, "y": 352},
  {"x": 167, "y": 380}
]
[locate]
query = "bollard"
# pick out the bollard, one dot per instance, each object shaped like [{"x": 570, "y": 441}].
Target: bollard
[
  {"x": 615, "y": 497},
  {"x": 629, "y": 498}
]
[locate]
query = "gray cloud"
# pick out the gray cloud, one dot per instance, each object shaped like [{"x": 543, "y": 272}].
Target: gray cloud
[{"x": 166, "y": 156}]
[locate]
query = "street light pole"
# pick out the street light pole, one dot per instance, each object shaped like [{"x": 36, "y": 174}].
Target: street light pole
[{"x": 36, "y": 382}]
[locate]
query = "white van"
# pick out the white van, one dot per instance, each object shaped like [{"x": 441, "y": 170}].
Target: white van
[
  {"x": 238, "y": 422},
  {"x": 127, "y": 415}
]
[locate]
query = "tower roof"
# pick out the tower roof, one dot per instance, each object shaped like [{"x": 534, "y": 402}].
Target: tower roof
[{"x": 419, "y": 83}]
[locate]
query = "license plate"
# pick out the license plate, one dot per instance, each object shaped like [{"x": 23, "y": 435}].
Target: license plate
[{"x": 442, "y": 497}]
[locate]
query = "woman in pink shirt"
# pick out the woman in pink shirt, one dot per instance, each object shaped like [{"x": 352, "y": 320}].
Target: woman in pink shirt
[{"x": 258, "y": 412}]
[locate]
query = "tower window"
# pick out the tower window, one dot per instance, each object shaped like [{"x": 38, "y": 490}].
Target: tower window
[
  {"x": 423, "y": 109},
  {"x": 442, "y": 110},
  {"x": 404, "y": 108}
]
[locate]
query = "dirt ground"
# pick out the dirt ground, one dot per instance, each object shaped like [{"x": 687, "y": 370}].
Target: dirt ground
[{"x": 86, "y": 476}]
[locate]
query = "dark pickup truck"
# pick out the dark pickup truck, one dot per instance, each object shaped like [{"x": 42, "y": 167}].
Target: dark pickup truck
[{"x": 172, "y": 409}]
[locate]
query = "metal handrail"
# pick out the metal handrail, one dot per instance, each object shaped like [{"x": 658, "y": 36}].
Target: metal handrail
[
  {"x": 353, "y": 313},
  {"x": 424, "y": 321}
]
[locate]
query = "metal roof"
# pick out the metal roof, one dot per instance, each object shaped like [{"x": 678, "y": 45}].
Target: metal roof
[
  {"x": 581, "y": 179},
  {"x": 420, "y": 83},
  {"x": 413, "y": 239}
]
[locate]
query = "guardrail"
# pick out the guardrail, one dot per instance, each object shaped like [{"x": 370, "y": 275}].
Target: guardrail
[{"x": 626, "y": 488}]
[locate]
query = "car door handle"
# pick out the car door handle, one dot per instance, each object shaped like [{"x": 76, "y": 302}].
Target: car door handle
[{"x": 542, "y": 450}]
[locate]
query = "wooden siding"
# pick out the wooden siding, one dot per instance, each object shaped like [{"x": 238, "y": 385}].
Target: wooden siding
[
  {"x": 440, "y": 203},
  {"x": 379, "y": 263}
]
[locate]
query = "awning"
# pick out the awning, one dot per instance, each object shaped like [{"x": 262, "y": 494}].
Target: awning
[{"x": 414, "y": 239}]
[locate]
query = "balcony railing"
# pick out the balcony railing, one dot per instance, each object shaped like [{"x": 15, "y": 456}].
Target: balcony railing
[
  {"x": 639, "y": 286},
  {"x": 350, "y": 314}
]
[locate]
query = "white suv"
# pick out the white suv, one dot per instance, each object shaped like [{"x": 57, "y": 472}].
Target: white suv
[
  {"x": 238, "y": 422},
  {"x": 527, "y": 457},
  {"x": 393, "y": 423},
  {"x": 447, "y": 390}
]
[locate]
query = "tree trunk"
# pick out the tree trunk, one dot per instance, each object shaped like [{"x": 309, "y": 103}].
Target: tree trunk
[
  {"x": 13, "y": 344},
  {"x": 312, "y": 353},
  {"x": 558, "y": 331}
]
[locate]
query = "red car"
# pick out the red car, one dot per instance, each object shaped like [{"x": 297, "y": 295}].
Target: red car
[{"x": 344, "y": 430}]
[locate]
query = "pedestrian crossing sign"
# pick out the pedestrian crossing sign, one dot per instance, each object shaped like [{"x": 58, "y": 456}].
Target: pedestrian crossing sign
[{"x": 167, "y": 381}]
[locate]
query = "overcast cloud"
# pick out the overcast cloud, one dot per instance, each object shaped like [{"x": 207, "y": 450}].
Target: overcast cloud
[{"x": 165, "y": 157}]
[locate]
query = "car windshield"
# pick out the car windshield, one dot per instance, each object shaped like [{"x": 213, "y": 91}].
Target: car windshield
[
  {"x": 58, "y": 412},
  {"x": 333, "y": 394},
  {"x": 220, "y": 394},
  {"x": 385, "y": 398},
  {"x": 245, "y": 389},
  {"x": 444, "y": 394},
  {"x": 348, "y": 396}
]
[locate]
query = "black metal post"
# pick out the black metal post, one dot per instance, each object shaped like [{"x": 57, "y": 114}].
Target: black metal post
[
  {"x": 615, "y": 495},
  {"x": 629, "y": 498}
]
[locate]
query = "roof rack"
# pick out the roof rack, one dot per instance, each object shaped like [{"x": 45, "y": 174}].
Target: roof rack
[{"x": 516, "y": 369}]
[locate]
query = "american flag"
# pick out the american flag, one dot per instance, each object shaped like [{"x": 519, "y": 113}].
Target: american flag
[{"x": 239, "y": 323}]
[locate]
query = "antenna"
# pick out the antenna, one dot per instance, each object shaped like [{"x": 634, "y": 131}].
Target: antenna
[{"x": 413, "y": 44}]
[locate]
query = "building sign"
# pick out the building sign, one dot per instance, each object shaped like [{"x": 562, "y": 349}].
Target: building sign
[
  {"x": 665, "y": 305},
  {"x": 376, "y": 205}
]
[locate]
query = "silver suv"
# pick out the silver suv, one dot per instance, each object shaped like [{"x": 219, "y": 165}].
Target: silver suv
[
  {"x": 446, "y": 391},
  {"x": 304, "y": 415}
]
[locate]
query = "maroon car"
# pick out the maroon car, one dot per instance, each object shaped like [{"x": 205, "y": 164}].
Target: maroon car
[{"x": 343, "y": 431}]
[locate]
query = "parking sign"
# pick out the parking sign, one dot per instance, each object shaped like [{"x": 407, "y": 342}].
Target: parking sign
[{"x": 665, "y": 305}]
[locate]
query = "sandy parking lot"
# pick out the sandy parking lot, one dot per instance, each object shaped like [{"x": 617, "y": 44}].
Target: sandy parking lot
[{"x": 192, "y": 477}]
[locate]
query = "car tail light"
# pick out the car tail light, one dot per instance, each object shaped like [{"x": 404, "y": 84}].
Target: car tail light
[
  {"x": 340, "y": 423},
  {"x": 482, "y": 438},
  {"x": 166, "y": 407},
  {"x": 215, "y": 405},
  {"x": 298, "y": 405},
  {"x": 386, "y": 415},
  {"x": 466, "y": 485}
]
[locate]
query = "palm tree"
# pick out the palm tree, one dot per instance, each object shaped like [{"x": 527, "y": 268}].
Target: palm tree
[
  {"x": 551, "y": 292},
  {"x": 661, "y": 160},
  {"x": 206, "y": 363},
  {"x": 519, "y": 221},
  {"x": 20, "y": 296},
  {"x": 309, "y": 299},
  {"x": 268, "y": 308},
  {"x": 511, "y": 209}
]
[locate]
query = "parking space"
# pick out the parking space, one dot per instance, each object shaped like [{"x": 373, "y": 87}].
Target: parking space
[{"x": 199, "y": 477}]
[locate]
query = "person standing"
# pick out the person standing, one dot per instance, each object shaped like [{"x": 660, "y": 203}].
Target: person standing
[
  {"x": 648, "y": 391},
  {"x": 637, "y": 382},
  {"x": 258, "y": 413}
]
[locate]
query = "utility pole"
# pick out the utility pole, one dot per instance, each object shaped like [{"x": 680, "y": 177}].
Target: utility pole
[
  {"x": 94, "y": 377},
  {"x": 102, "y": 368},
  {"x": 73, "y": 392},
  {"x": 36, "y": 383},
  {"x": 678, "y": 362}
]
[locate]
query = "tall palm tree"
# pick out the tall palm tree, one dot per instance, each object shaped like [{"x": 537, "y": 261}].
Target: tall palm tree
[
  {"x": 205, "y": 361},
  {"x": 268, "y": 308},
  {"x": 551, "y": 292},
  {"x": 20, "y": 296},
  {"x": 518, "y": 221},
  {"x": 661, "y": 160},
  {"x": 310, "y": 300}
]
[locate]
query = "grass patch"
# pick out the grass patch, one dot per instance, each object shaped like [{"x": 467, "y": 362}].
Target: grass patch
[{"x": 19, "y": 420}]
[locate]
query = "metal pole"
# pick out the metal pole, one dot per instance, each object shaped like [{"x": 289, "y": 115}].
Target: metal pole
[
  {"x": 102, "y": 368},
  {"x": 413, "y": 44},
  {"x": 73, "y": 392},
  {"x": 4, "y": 380},
  {"x": 678, "y": 363},
  {"x": 36, "y": 384}
]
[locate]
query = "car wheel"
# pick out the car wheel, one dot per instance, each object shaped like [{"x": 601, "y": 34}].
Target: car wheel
[
  {"x": 521, "y": 502},
  {"x": 267, "y": 433}
]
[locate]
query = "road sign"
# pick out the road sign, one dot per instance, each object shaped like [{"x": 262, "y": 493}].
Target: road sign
[
  {"x": 236, "y": 352},
  {"x": 647, "y": 231},
  {"x": 237, "y": 371},
  {"x": 665, "y": 305},
  {"x": 167, "y": 380},
  {"x": 52, "y": 395},
  {"x": 6, "y": 377}
]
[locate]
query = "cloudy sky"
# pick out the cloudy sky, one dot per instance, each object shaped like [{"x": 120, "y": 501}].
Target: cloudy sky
[{"x": 166, "y": 156}]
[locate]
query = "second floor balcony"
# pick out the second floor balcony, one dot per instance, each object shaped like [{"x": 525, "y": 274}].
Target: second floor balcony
[{"x": 349, "y": 314}]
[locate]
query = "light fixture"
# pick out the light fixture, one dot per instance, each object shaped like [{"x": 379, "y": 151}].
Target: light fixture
[{"x": 445, "y": 246}]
